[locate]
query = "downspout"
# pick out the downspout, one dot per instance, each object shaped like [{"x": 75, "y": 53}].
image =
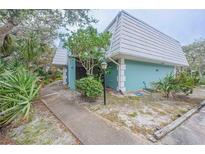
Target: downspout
[{"x": 114, "y": 61}]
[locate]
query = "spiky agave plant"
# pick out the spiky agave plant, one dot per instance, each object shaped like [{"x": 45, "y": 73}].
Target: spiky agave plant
[{"x": 17, "y": 91}]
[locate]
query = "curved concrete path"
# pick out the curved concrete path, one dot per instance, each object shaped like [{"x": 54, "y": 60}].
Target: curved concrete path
[
  {"x": 86, "y": 126},
  {"x": 191, "y": 131}
]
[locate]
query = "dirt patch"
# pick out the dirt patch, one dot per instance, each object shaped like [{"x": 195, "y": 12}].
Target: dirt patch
[
  {"x": 145, "y": 114},
  {"x": 4, "y": 137},
  {"x": 41, "y": 128}
]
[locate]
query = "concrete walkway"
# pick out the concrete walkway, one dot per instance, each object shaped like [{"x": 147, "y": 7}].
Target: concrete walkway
[
  {"x": 191, "y": 131},
  {"x": 86, "y": 126}
]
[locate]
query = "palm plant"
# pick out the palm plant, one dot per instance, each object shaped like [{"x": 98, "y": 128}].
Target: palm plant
[
  {"x": 17, "y": 91},
  {"x": 167, "y": 85},
  {"x": 31, "y": 49}
]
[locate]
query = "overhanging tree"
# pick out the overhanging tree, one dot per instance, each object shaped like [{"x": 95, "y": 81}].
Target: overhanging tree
[
  {"x": 195, "y": 54},
  {"x": 44, "y": 23},
  {"x": 89, "y": 47}
]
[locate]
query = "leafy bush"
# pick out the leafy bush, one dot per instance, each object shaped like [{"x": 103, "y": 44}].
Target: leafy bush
[
  {"x": 49, "y": 76},
  {"x": 166, "y": 86},
  {"x": 11, "y": 65},
  {"x": 17, "y": 91},
  {"x": 186, "y": 82},
  {"x": 90, "y": 87},
  {"x": 183, "y": 82}
]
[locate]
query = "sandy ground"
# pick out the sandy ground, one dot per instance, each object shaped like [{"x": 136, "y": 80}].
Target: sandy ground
[
  {"x": 42, "y": 128},
  {"x": 141, "y": 115},
  {"x": 145, "y": 114}
]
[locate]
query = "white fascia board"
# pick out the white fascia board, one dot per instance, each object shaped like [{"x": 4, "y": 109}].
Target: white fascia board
[{"x": 133, "y": 56}]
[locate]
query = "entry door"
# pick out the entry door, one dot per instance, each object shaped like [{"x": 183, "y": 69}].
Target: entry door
[{"x": 71, "y": 73}]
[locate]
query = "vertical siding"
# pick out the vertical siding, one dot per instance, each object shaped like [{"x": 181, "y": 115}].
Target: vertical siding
[
  {"x": 136, "y": 72},
  {"x": 71, "y": 73},
  {"x": 111, "y": 76}
]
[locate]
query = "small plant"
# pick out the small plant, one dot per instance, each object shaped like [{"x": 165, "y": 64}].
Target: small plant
[
  {"x": 90, "y": 87},
  {"x": 166, "y": 86},
  {"x": 17, "y": 91},
  {"x": 186, "y": 82},
  {"x": 183, "y": 82}
]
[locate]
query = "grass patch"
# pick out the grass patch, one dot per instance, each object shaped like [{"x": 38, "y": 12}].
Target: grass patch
[
  {"x": 113, "y": 117},
  {"x": 133, "y": 114},
  {"x": 142, "y": 130}
]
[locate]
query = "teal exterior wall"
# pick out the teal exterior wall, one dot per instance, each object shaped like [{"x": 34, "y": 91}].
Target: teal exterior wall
[
  {"x": 71, "y": 77},
  {"x": 136, "y": 72},
  {"x": 111, "y": 76}
]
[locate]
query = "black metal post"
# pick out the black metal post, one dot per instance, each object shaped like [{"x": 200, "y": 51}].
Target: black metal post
[{"x": 104, "y": 86}]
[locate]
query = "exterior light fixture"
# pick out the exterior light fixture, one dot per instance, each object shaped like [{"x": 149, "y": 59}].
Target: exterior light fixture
[{"x": 104, "y": 66}]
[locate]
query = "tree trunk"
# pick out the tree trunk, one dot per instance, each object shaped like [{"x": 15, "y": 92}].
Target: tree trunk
[{"x": 5, "y": 29}]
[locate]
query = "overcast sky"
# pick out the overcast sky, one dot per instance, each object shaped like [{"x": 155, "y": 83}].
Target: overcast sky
[{"x": 183, "y": 25}]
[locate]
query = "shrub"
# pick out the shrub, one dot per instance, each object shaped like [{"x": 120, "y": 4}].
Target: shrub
[
  {"x": 17, "y": 91},
  {"x": 166, "y": 86},
  {"x": 186, "y": 82},
  {"x": 183, "y": 82},
  {"x": 90, "y": 87}
]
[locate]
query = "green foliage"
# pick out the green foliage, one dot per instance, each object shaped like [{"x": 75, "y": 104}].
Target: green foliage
[
  {"x": 2, "y": 66},
  {"x": 17, "y": 91},
  {"x": 183, "y": 82},
  {"x": 186, "y": 82},
  {"x": 89, "y": 47},
  {"x": 195, "y": 54},
  {"x": 24, "y": 41},
  {"x": 166, "y": 86},
  {"x": 9, "y": 65},
  {"x": 8, "y": 46},
  {"x": 47, "y": 77},
  {"x": 30, "y": 49},
  {"x": 45, "y": 22},
  {"x": 90, "y": 87},
  {"x": 202, "y": 81}
]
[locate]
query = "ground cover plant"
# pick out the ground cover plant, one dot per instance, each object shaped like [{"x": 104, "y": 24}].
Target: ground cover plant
[{"x": 17, "y": 91}]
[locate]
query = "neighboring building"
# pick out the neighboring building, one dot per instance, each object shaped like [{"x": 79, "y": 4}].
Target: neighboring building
[
  {"x": 61, "y": 60},
  {"x": 138, "y": 55}
]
